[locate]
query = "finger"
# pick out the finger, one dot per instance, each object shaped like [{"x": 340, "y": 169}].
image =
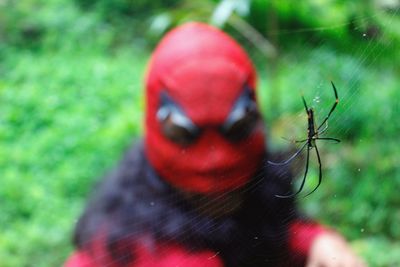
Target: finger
[
  {"x": 349, "y": 261},
  {"x": 361, "y": 263},
  {"x": 352, "y": 260},
  {"x": 336, "y": 261},
  {"x": 355, "y": 261},
  {"x": 313, "y": 264}
]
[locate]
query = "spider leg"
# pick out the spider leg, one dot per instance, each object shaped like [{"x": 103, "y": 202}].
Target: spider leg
[
  {"x": 304, "y": 178},
  {"x": 294, "y": 141},
  {"x": 289, "y": 159},
  {"x": 333, "y": 107},
  {"x": 323, "y": 130},
  {"x": 328, "y": 138},
  {"x": 300, "y": 141},
  {"x": 320, "y": 172},
  {"x": 305, "y": 104}
]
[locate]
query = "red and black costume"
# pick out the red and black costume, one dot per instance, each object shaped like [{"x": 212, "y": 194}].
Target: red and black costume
[{"x": 197, "y": 191}]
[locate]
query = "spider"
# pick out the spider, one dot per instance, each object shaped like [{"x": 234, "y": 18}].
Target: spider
[{"x": 313, "y": 133}]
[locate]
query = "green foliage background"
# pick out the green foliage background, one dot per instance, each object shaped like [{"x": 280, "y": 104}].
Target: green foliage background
[{"x": 71, "y": 86}]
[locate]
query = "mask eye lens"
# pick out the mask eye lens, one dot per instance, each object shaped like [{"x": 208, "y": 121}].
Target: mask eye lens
[
  {"x": 177, "y": 133},
  {"x": 243, "y": 127},
  {"x": 243, "y": 118},
  {"x": 175, "y": 125}
]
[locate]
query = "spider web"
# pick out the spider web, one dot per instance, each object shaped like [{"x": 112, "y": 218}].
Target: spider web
[
  {"x": 324, "y": 63},
  {"x": 365, "y": 120}
]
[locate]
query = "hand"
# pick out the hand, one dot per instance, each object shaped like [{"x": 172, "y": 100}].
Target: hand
[{"x": 331, "y": 250}]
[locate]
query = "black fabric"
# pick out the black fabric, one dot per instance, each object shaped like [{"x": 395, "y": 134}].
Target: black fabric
[{"x": 132, "y": 201}]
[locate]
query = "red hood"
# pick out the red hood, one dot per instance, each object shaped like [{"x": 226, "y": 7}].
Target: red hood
[{"x": 204, "y": 71}]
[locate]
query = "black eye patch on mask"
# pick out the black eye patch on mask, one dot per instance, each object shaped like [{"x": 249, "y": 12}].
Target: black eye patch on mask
[
  {"x": 179, "y": 128},
  {"x": 175, "y": 124}
]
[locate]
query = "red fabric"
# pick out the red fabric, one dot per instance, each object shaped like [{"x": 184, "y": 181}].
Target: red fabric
[
  {"x": 301, "y": 236},
  {"x": 204, "y": 71},
  {"x": 173, "y": 255},
  {"x": 165, "y": 256},
  {"x": 80, "y": 259}
]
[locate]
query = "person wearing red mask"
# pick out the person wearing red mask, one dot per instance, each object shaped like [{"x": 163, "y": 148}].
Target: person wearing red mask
[{"x": 197, "y": 190}]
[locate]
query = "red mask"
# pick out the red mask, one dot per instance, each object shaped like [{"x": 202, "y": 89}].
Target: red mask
[{"x": 203, "y": 131}]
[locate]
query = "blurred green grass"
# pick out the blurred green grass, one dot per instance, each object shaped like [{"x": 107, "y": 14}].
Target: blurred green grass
[
  {"x": 65, "y": 119},
  {"x": 71, "y": 86}
]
